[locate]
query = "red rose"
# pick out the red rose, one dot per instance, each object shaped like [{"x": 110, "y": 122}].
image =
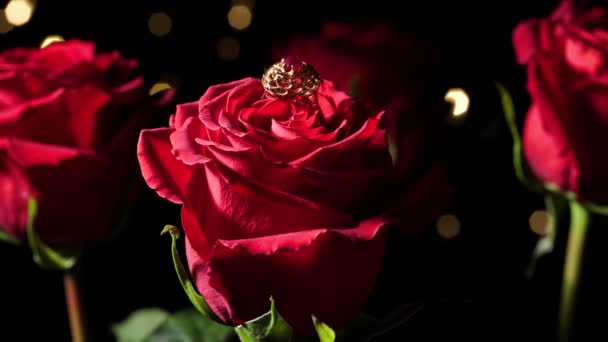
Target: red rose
[
  {"x": 566, "y": 127},
  {"x": 66, "y": 126},
  {"x": 277, "y": 200},
  {"x": 396, "y": 72}
]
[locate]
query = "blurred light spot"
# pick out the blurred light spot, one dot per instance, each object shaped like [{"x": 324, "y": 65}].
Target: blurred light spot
[
  {"x": 541, "y": 222},
  {"x": 448, "y": 226},
  {"x": 228, "y": 48},
  {"x": 459, "y": 100},
  {"x": 158, "y": 87},
  {"x": 19, "y": 12},
  {"x": 249, "y": 3},
  {"x": 239, "y": 17},
  {"x": 160, "y": 24},
  {"x": 54, "y": 38},
  {"x": 5, "y": 26}
]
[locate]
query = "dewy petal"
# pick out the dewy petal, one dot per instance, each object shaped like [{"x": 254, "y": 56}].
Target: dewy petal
[
  {"x": 302, "y": 270},
  {"x": 161, "y": 170}
]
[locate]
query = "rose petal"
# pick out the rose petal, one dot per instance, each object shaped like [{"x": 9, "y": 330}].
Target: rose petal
[
  {"x": 525, "y": 40},
  {"x": 548, "y": 158},
  {"x": 183, "y": 112},
  {"x": 185, "y": 145},
  {"x": 229, "y": 206},
  {"x": 332, "y": 156},
  {"x": 15, "y": 191},
  {"x": 303, "y": 271},
  {"x": 214, "y": 99},
  {"x": 68, "y": 178},
  {"x": 161, "y": 170},
  {"x": 17, "y": 88}
]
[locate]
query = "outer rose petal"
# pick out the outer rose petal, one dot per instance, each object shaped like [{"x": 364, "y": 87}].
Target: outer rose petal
[
  {"x": 525, "y": 40},
  {"x": 161, "y": 170},
  {"x": 66, "y": 178},
  {"x": 228, "y": 206},
  {"x": 303, "y": 271},
  {"x": 14, "y": 192},
  {"x": 183, "y": 112},
  {"x": 551, "y": 161}
]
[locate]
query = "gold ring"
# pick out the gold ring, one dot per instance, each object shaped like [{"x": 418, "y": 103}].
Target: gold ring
[{"x": 293, "y": 80}]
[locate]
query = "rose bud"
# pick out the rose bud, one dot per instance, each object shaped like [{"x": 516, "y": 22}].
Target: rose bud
[
  {"x": 566, "y": 126},
  {"x": 395, "y": 71},
  {"x": 282, "y": 183},
  {"x": 69, "y": 121}
]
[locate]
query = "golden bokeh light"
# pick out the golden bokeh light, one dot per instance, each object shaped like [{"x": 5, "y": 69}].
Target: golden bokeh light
[
  {"x": 541, "y": 222},
  {"x": 459, "y": 100},
  {"x": 239, "y": 17},
  {"x": 5, "y": 26},
  {"x": 228, "y": 49},
  {"x": 19, "y": 12},
  {"x": 54, "y": 38},
  {"x": 448, "y": 226},
  {"x": 248, "y": 3},
  {"x": 160, "y": 24},
  {"x": 158, "y": 87}
]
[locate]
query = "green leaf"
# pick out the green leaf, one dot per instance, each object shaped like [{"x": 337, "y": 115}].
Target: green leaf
[
  {"x": 45, "y": 256},
  {"x": 522, "y": 171},
  {"x": 140, "y": 325},
  {"x": 270, "y": 327},
  {"x": 190, "y": 325},
  {"x": 6, "y": 237},
  {"x": 354, "y": 86},
  {"x": 197, "y": 300},
  {"x": 158, "y": 325},
  {"x": 325, "y": 332}
]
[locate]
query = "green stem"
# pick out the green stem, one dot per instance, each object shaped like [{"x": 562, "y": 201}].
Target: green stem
[
  {"x": 579, "y": 223},
  {"x": 74, "y": 305}
]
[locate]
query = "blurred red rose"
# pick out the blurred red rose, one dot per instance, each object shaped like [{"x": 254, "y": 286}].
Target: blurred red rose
[
  {"x": 397, "y": 72},
  {"x": 278, "y": 199},
  {"x": 69, "y": 120},
  {"x": 566, "y": 128}
]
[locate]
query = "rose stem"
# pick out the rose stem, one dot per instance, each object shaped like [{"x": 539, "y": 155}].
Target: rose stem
[
  {"x": 73, "y": 302},
  {"x": 579, "y": 223}
]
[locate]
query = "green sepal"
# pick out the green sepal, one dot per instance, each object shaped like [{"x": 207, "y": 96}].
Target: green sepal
[
  {"x": 522, "y": 170},
  {"x": 156, "y": 325},
  {"x": 325, "y": 332},
  {"x": 197, "y": 300},
  {"x": 45, "y": 256},
  {"x": 270, "y": 327},
  {"x": 8, "y": 238}
]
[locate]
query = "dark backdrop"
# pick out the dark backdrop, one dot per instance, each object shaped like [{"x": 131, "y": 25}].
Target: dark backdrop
[{"x": 475, "y": 282}]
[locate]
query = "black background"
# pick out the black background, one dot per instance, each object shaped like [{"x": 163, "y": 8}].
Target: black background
[{"x": 475, "y": 283}]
